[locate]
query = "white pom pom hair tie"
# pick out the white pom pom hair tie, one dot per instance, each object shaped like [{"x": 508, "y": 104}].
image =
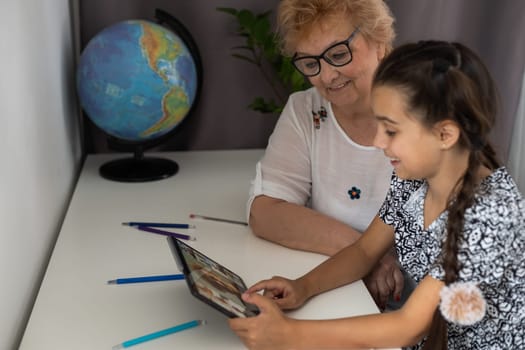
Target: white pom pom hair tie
[{"x": 462, "y": 303}]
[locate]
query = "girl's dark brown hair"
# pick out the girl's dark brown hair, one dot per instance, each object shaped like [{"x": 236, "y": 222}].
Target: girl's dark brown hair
[{"x": 448, "y": 81}]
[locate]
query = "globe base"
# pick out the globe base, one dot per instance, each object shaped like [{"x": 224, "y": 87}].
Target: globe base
[{"x": 138, "y": 169}]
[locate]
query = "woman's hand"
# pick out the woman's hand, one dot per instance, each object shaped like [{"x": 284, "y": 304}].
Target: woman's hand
[
  {"x": 270, "y": 330},
  {"x": 385, "y": 280},
  {"x": 287, "y": 294}
]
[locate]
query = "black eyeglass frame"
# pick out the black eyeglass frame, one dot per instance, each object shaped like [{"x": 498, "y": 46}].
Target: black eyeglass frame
[{"x": 326, "y": 59}]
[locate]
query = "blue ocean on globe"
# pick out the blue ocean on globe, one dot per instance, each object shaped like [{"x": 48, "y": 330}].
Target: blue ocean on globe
[{"x": 136, "y": 80}]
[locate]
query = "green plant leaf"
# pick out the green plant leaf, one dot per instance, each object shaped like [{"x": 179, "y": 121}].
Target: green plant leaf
[
  {"x": 246, "y": 19},
  {"x": 261, "y": 42},
  {"x": 271, "y": 49},
  {"x": 261, "y": 27}
]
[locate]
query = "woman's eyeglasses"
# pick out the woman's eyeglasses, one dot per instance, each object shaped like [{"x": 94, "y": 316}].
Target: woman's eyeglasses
[{"x": 337, "y": 55}]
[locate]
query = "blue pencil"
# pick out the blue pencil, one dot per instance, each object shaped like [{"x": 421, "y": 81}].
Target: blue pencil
[
  {"x": 146, "y": 279},
  {"x": 157, "y": 224},
  {"x": 158, "y": 334}
]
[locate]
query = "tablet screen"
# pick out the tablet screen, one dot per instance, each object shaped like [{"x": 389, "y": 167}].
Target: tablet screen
[{"x": 211, "y": 282}]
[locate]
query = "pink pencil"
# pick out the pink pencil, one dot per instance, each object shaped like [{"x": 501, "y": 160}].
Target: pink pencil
[{"x": 195, "y": 216}]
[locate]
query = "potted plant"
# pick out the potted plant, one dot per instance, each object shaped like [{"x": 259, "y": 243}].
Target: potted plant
[{"x": 261, "y": 48}]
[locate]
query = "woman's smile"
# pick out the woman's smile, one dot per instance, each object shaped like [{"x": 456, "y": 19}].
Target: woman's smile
[{"x": 338, "y": 87}]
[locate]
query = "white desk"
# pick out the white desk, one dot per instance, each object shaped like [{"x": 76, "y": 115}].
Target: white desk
[{"x": 76, "y": 309}]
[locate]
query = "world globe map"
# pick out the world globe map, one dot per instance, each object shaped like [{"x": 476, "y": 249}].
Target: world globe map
[{"x": 136, "y": 80}]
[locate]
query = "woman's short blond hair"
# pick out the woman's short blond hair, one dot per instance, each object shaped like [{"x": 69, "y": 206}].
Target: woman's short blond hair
[{"x": 295, "y": 18}]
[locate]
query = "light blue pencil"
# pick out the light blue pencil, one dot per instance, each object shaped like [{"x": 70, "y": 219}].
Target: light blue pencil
[{"x": 155, "y": 335}]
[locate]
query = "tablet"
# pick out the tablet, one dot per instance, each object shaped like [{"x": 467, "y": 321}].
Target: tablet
[{"x": 211, "y": 282}]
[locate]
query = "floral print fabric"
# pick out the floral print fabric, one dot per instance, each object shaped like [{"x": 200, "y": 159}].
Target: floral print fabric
[{"x": 491, "y": 254}]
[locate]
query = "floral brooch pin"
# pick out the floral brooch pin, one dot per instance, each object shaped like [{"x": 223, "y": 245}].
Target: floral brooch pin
[
  {"x": 319, "y": 117},
  {"x": 462, "y": 303},
  {"x": 354, "y": 193}
]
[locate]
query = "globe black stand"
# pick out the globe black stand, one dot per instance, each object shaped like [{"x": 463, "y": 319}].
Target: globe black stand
[{"x": 138, "y": 168}]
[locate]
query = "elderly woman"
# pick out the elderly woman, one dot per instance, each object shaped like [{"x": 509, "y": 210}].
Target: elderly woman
[{"x": 321, "y": 180}]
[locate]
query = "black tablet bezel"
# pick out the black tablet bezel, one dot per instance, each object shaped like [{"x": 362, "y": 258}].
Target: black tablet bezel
[{"x": 233, "y": 279}]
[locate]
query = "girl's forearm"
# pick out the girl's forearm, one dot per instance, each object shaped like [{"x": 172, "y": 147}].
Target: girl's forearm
[
  {"x": 353, "y": 262},
  {"x": 361, "y": 332},
  {"x": 399, "y": 328},
  {"x": 332, "y": 272}
]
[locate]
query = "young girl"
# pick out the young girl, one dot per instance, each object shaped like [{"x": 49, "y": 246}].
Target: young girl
[{"x": 456, "y": 217}]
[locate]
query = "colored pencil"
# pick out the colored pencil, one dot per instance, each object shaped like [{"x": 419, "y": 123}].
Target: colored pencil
[
  {"x": 157, "y": 224},
  {"x": 146, "y": 279},
  {"x": 195, "y": 216},
  {"x": 158, "y": 334},
  {"x": 165, "y": 233}
]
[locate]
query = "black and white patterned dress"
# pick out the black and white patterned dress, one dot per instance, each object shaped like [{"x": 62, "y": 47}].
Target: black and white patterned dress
[{"x": 492, "y": 254}]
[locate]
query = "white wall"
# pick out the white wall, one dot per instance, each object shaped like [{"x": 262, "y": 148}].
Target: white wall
[{"x": 40, "y": 149}]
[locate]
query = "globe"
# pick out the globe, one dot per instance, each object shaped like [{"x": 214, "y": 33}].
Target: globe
[{"x": 137, "y": 81}]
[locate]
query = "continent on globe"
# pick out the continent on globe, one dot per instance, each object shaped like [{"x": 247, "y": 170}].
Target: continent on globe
[{"x": 136, "y": 80}]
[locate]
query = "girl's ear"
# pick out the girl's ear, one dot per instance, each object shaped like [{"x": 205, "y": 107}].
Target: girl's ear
[{"x": 448, "y": 132}]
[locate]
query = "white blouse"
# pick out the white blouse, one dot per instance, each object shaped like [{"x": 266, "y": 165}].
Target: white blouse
[{"x": 311, "y": 161}]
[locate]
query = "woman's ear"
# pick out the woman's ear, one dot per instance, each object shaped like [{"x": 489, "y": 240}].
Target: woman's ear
[
  {"x": 381, "y": 51},
  {"x": 448, "y": 132}
]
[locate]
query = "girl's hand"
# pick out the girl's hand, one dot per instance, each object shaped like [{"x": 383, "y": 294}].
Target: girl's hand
[
  {"x": 270, "y": 330},
  {"x": 287, "y": 294}
]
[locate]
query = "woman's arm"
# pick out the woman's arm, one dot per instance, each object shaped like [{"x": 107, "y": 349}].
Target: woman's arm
[{"x": 298, "y": 227}]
